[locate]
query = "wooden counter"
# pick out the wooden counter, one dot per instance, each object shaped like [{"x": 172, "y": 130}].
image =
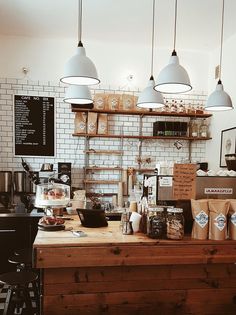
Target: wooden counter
[{"x": 110, "y": 273}]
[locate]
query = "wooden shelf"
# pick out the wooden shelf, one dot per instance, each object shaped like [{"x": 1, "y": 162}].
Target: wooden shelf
[
  {"x": 141, "y": 113},
  {"x": 87, "y": 181},
  {"x": 143, "y": 170},
  {"x": 96, "y": 168},
  {"x": 140, "y": 137},
  {"x": 92, "y": 194},
  {"x": 91, "y": 151}
]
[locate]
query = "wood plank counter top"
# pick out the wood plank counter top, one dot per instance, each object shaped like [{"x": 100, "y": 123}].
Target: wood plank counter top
[{"x": 110, "y": 273}]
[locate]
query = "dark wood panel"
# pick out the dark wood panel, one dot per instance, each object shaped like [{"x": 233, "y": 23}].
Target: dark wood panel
[
  {"x": 143, "y": 254},
  {"x": 142, "y": 273}
]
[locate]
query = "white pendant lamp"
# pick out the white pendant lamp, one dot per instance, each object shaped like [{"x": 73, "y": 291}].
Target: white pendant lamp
[
  {"x": 149, "y": 98},
  {"x": 79, "y": 69},
  {"x": 219, "y": 100},
  {"x": 78, "y": 94},
  {"x": 173, "y": 78}
]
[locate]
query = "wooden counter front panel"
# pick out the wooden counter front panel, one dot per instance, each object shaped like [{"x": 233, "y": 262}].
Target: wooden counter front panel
[
  {"x": 139, "y": 290},
  {"x": 111, "y": 255}
]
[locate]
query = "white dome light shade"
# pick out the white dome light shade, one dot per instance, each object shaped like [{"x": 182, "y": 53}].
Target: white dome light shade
[
  {"x": 149, "y": 98},
  {"x": 173, "y": 78},
  {"x": 78, "y": 94},
  {"x": 219, "y": 100},
  {"x": 80, "y": 70}
]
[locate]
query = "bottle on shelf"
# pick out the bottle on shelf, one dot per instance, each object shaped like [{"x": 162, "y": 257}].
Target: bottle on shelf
[
  {"x": 203, "y": 129},
  {"x": 193, "y": 128}
]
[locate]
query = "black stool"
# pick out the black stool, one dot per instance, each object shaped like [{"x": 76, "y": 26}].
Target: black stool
[
  {"x": 22, "y": 258},
  {"x": 18, "y": 291}
]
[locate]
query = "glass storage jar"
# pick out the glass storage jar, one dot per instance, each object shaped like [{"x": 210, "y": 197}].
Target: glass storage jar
[
  {"x": 175, "y": 223},
  {"x": 156, "y": 223}
]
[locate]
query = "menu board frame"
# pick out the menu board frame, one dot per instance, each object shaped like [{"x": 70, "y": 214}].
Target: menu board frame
[{"x": 51, "y": 150}]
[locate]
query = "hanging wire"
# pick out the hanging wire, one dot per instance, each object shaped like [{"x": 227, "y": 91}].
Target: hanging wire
[
  {"x": 221, "y": 37},
  {"x": 79, "y": 20},
  {"x": 175, "y": 25},
  {"x": 153, "y": 30}
]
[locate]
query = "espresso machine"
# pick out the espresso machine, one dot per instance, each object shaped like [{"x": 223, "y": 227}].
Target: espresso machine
[
  {"x": 5, "y": 189},
  {"x": 160, "y": 187}
]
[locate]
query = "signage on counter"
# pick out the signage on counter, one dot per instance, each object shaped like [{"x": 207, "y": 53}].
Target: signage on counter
[
  {"x": 184, "y": 181},
  {"x": 34, "y": 125},
  {"x": 216, "y": 191},
  {"x": 165, "y": 181}
]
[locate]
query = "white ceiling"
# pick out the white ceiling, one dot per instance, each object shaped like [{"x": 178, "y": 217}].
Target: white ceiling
[{"x": 198, "y": 26}]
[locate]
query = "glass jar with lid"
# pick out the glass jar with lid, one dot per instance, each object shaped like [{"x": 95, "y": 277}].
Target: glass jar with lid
[
  {"x": 193, "y": 128},
  {"x": 156, "y": 223},
  {"x": 175, "y": 223},
  {"x": 203, "y": 129}
]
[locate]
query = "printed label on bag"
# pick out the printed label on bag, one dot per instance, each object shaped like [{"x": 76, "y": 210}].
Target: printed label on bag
[
  {"x": 220, "y": 221},
  {"x": 82, "y": 125},
  {"x": 233, "y": 219},
  {"x": 202, "y": 219}
]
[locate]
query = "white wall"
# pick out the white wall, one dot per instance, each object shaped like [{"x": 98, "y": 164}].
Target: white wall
[
  {"x": 226, "y": 119},
  {"x": 45, "y": 59}
]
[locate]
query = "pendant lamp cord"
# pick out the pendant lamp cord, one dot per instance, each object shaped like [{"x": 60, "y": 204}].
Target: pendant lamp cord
[
  {"x": 153, "y": 30},
  {"x": 175, "y": 25},
  {"x": 222, "y": 37},
  {"x": 79, "y": 21}
]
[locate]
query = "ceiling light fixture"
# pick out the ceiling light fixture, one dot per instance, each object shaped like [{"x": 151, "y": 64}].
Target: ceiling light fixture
[
  {"x": 149, "y": 98},
  {"x": 79, "y": 69},
  {"x": 78, "y": 94},
  {"x": 173, "y": 78},
  {"x": 219, "y": 100}
]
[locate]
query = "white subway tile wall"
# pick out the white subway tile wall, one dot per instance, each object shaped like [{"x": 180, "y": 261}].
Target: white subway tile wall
[{"x": 71, "y": 149}]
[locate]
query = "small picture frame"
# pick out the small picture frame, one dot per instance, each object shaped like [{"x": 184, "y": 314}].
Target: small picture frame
[{"x": 228, "y": 144}]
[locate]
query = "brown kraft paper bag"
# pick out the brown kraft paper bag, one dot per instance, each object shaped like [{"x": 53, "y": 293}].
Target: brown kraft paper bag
[
  {"x": 102, "y": 124},
  {"x": 218, "y": 219},
  {"x": 80, "y": 122},
  {"x": 200, "y": 213},
  {"x": 100, "y": 101},
  {"x": 113, "y": 101},
  {"x": 92, "y": 123},
  {"x": 232, "y": 219}
]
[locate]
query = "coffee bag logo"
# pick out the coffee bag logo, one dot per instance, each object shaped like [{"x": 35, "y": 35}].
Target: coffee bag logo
[
  {"x": 220, "y": 222},
  {"x": 201, "y": 219},
  {"x": 233, "y": 219}
]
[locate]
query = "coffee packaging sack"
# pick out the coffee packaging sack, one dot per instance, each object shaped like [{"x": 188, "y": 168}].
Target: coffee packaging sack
[
  {"x": 127, "y": 102},
  {"x": 113, "y": 101},
  {"x": 100, "y": 101},
  {"x": 218, "y": 210},
  {"x": 232, "y": 219},
  {"x": 102, "y": 124},
  {"x": 200, "y": 213},
  {"x": 92, "y": 123},
  {"x": 80, "y": 122}
]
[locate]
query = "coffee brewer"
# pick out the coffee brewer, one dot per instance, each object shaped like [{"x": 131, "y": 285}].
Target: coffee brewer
[{"x": 5, "y": 188}]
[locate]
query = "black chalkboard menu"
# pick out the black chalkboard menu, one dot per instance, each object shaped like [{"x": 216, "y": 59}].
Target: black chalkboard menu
[{"x": 34, "y": 125}]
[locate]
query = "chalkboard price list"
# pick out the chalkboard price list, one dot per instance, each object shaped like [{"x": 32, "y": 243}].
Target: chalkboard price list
[{"x": 34, "y": 125}]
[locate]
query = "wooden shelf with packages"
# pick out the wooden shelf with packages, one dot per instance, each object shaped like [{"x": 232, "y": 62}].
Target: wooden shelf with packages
[
  {"x": 140, "y": 137},
  {"x": 141, "y": 113}
]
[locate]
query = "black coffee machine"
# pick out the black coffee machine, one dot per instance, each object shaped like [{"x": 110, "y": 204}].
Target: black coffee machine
[{"x": 6, "y": 188}]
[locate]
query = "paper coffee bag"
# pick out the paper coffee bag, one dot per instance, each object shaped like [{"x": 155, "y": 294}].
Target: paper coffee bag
[
  {"x": 92, "y": 123},
  {"x": 80, "y": 122},
  {"x": 200, "y": 213},
  {"x": 113, "y": 101},
  {"x": 232, "y": 219},
  {"x": 127, "y": 102},
  {"x": 102, "y": 124},
  {"x": 100, "y": 101},
  {"x": 218, "y": 219}
]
